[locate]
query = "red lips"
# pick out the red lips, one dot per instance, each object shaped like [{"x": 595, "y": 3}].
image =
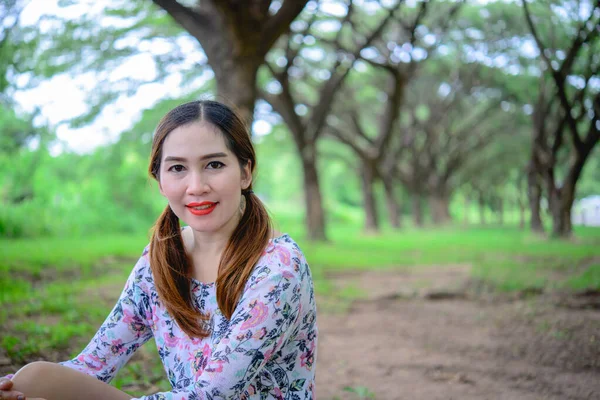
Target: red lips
[{"x": 206, "y": 207}]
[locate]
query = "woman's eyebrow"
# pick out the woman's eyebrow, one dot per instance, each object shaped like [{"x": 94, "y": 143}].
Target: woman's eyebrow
[{"x": 204, "y": 157}]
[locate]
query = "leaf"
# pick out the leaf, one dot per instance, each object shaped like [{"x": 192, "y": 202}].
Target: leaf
[
  {"x": 297, "y": 385},
  {"x": 287, "y": 309}
]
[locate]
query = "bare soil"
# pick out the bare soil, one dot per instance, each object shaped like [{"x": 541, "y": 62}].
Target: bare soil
[
  {"x": 427, "y": 333},
  {"x": 432, "y": 333}
]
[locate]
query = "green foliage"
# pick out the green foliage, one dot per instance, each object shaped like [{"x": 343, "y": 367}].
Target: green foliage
[
  {"x": 16, "y": 131},
  {"x": 589, "y": 183},
  {"x": 362, "y": 392},
  {"x": 109, "y": 191},
  {"x": 588, "y": 279}
]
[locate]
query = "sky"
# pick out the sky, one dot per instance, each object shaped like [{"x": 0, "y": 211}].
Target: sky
[{"x": 64, "y": 97}]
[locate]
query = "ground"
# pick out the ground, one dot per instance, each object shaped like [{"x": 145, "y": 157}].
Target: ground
[
  {"x": 424, "y": 333},
  {"x": 428, "y": 333}
]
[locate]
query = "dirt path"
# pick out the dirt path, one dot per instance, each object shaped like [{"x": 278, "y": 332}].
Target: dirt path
[
  {"x": 400, "y": 343},
  {"x": 426, "y": 334}
]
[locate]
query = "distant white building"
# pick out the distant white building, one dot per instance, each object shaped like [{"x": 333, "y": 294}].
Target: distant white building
[{"x": 586, "y": 211}]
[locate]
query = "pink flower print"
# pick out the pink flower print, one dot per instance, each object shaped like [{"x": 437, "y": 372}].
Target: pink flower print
[
  {"x": 240, "y": 337},
  {"x": 251, "y": 390},
  {"x": 160, "y": 321},
  {"x": 148, "y": 315},
  {"x": 128, "y": 317},
  {"x": 258, "y": 313},
  {"x": 215, "y": 366},
  {"x": 137, "y": 327},
  {"x": 284, "y": 255},
  {"x": 308, "y": 357},
  {"x": 93, "y": 362},
  {"x": 260, "y": 334},
  {"x": 201, "y": 359},
  {"x": 170, "y": 340},
  {"x": 117, "y": 346},
  {"x": 268, "y": 354},
  {"x": 133, "y": 321},
  {"x": 270, "y": 247},
  {"x": 287, "y": 274},
  {"x": 277, "y": 393},
  {"x": 185, "y": 343}
]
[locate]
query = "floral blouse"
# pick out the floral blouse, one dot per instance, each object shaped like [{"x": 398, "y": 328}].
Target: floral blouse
[{"x": 267, "y": 350}]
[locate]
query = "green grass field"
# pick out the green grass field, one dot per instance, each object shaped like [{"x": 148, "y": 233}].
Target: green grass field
[{"x": 55, "y": 292}]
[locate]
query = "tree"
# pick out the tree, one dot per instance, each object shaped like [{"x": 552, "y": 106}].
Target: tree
[
  {"x": 449, "y": 126},
  {"x": 307, "y": 127},
  {"x": 236, "y": 35},
  {"x": 397, "y": 53},
  {"x": 571, "y": 61}
]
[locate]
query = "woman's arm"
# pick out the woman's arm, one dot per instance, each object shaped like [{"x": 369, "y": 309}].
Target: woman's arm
[
  {"x": 51, "y": 381},
  {"x": 125, "y": 330}
]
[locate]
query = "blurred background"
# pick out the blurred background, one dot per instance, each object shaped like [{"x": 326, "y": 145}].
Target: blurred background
[{"x": 390, "y": 135}]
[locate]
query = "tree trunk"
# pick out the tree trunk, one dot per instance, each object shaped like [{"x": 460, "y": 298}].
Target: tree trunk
[
  {"x": 481, "y": 208},
  {"x": 561, "y": 220},
  {"x": 562, "y": 199},
  {"x": 560, "y": 208},
  {"x": 500, "y": 211},
  {"x": 466, "y": 211},
  {"x": 521, "y": 214},
  {"x": 236, "y": 86},
  {"x": 315, "y": 216},
  {"x": 369, "y": 203},
  {"x": 392, "y": 204},
  {"x": 534, "y": 193},
  {"x": 417, "y": 210},
  {"x": 440, "y": 208}
]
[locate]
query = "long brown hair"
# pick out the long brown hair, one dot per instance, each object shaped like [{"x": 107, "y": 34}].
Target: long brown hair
[{"x": 170, "y": 264}]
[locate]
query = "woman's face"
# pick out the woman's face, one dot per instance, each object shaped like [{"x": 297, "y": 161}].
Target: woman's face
[{"x": 202, "y": 179}]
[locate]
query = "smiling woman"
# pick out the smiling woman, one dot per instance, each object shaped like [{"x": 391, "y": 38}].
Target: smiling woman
[
  {"x": 198, "y": 183},
  {"x": 229, "y": 302}
]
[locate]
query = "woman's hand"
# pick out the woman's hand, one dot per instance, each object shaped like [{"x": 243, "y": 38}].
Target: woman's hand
[{"x": 6, "y": 393}]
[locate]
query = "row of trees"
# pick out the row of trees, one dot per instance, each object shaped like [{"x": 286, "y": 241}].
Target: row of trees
[{"x": 428, "y": 98}]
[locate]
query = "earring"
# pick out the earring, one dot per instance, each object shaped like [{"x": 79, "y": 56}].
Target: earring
[{"x": 242, "y": 204}]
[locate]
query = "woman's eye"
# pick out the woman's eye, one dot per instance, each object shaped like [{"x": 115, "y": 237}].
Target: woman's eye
[
  {"x": 176, "y": 168},
  {"x": 215, "y": 165}
]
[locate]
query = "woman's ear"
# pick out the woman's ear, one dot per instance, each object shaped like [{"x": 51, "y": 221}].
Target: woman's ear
[{"x": 247, "y": 175}]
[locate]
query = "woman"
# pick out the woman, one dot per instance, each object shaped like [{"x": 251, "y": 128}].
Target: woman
[{"x": 229, "y": 302}]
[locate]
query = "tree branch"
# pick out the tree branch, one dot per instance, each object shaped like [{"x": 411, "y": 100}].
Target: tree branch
[
  {"x": 198, "y": 25},
  {"x": 334, "y": 131},
  {"x": 327, "y": 92},
  {"x": 279, "y": 23}
]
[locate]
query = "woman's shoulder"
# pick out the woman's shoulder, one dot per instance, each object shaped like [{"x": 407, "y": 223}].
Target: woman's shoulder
[
  {"x": 282, "y": 244},
  {"x": 281, "y": 256},
  {"x": 141, "y": 270}
]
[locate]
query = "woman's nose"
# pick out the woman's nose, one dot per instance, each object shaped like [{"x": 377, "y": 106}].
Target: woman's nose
[{"x": 197, "y": 184}]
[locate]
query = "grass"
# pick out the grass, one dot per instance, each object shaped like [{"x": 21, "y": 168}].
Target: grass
[
  {"x": 507, "y": 258},
  {"x": 54, "y": 293},
  {"x": 28, "y": 263},
  {"x": 588, "y": 279}
]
